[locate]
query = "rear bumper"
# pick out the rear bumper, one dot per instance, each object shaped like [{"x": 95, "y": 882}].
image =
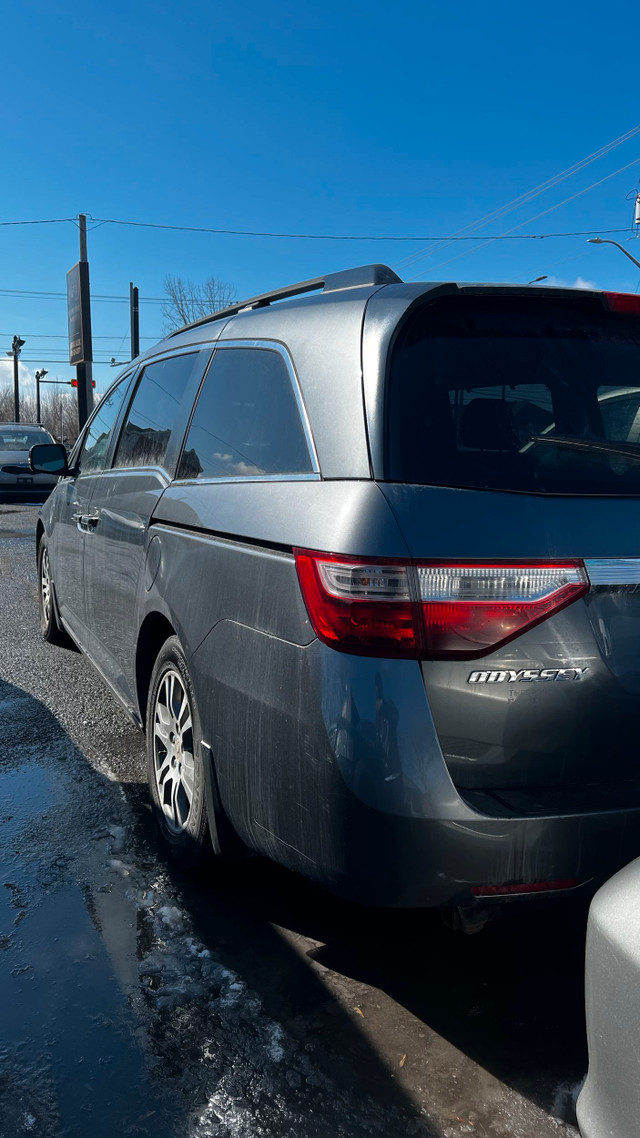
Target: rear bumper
[
  {"x": 397, "y": 861},
  {"x": 330, "y": 765},
  {"x": 27, "y": 484}
]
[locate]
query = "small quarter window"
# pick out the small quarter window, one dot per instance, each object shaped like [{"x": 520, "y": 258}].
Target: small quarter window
[
  {"x": 145, "y": 436},
  {"x": 246, "y": 423},
  {"x": 98, "y": 437}
]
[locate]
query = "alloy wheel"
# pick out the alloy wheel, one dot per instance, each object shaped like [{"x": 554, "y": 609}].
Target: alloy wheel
[
  {"x": 173, "y": 750},
  {"x": 45, "y": 584}
]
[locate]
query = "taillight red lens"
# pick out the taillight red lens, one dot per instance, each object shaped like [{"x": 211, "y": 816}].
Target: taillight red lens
[
  {"x": 358, "y": 606},
  {"x": 520, "y": 887},
  {"x": 623, "y": 302},
  {"x": 427, "y": 610}
]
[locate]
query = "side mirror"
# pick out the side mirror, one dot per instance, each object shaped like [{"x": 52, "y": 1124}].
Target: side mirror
[{"x": 48, "y": 458}]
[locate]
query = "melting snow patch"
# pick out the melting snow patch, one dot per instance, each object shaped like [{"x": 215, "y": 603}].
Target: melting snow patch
[
  {"x": 119, "y": 867},
  {"x": 28, "y": 1122},
  {"x": 172, "y": 917},
  {"x": 564, "y": 1100},
  {"x": 276, "y": 1050}
]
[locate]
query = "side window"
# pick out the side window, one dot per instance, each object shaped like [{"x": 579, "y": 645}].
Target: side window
[
  {"x": 619, "y": 413},
  {"x": 246, "y": 421},
  {"x": 98, "y": 437},
  {"x": 152, "y": 414}
]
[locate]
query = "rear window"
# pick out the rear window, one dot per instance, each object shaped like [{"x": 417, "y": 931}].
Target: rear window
[
  {"x": 534, "y": 395},
  {"x": 20, "y": 438}
]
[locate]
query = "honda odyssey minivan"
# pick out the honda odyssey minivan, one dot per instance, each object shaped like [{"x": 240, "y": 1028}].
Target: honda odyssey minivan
[{"x": 362, "y": 558}]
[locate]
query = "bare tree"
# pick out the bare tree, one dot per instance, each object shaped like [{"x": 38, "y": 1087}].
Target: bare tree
[
  {"x": 187, "y": 301},
  {"x": 59, "y": 412}
]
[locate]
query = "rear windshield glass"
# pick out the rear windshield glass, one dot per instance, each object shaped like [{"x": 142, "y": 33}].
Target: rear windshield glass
[
  {"x": 21, "y": 438},
  {"x": 531, "y": 394}
]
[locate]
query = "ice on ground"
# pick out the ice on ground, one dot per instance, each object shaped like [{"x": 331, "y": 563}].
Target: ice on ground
[
  {"x": 171, "y": 916},
  {"x": 565, "y": 1098},
  {"x": 120, "y": 867},
  {"x": 276, "y": 1050}
]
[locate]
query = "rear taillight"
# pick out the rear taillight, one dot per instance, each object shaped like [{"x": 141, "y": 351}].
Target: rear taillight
[
  {"x": 518, "y": 888},
  {"x": 426, "y": 610},
  {"x": 628, "y": 302}
]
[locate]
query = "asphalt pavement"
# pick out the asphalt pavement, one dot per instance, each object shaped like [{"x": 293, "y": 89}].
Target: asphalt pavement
[{"x": 243, "y": 1003}]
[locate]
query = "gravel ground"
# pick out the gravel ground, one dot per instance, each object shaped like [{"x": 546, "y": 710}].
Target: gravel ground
[{"x": 240, "y": 1004}]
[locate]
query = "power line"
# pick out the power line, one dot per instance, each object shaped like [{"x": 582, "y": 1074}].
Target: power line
[
  {"x": 510, "y": 232},
  {"x": 36, "y": 294},
  {"x": 61, "y": 336},
  {"x": 45, "y": 221},
  {"x": 460, "y": 236},
  {"x": 529, "y": 195},
  {"x": 339, "y": 236}
]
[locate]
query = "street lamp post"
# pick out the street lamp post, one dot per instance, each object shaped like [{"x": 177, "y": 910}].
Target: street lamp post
[
  {"x": 39, "y": 377},
  {"x": 15, "y": 352},
  {"x": 607, "y": 241}
]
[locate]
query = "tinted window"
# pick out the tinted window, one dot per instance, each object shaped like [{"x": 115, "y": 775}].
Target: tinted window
[
  {"x": 619, "y": 414},
  {"x": 504, "y": 392},
  {"x": 22, "y": 438},
  {"x": 152, "y": 415},
  {"x": 246, "y": 421},
  {"x": 98, "y": 436}
]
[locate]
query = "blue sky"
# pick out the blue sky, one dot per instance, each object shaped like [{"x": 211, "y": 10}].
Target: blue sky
[{"x": 413, "y": 118}]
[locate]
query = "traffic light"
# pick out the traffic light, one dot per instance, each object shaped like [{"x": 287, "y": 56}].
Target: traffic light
[{"x": 74, "y": 383}]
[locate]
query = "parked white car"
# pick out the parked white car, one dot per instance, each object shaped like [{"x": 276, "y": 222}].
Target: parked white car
[{"x": 609, "y": 1104}]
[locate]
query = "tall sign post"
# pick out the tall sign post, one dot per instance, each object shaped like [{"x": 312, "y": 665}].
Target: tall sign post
[
  {"x": 79, "y": 317},
  {"x": 134, "y": 309}
]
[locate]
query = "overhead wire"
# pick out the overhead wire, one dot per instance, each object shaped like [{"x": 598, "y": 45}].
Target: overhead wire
[
  {"x": 459, "y": 236},
  {"x": 529, "y": 195},
  {"x": 530, "y": 220}
]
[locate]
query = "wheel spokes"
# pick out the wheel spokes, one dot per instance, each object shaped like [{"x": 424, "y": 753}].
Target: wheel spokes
[
  {"x": 45, "y": 584},
  {"x": 173, "y": 750},
  {"x": 187, "y": 776}
]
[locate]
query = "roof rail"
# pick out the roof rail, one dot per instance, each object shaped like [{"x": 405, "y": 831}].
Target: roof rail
[{"x": 332, "y": 282}]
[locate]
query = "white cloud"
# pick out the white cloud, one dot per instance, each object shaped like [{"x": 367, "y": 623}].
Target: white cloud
[
  {"x": 579, "y": 282},
  {"x": 26, "y": 376}
]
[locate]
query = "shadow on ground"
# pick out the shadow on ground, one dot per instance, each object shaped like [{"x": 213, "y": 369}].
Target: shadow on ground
[
  {"x": 511, "y": 998},
  {"x": 136, "y": 1002}
]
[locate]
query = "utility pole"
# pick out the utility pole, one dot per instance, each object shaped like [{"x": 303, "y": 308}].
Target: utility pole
[
  {"x": 39, "y": 378},
  {"x": 134, "y": 307},
  {"x": 16, "y": 345}
]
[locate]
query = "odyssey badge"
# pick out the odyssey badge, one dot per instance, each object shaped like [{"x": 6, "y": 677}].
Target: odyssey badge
[{"x": 527, "y": 675}]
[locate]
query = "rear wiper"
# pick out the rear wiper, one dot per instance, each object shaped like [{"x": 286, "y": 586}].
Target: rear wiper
[{"x": 625, "y": 450}]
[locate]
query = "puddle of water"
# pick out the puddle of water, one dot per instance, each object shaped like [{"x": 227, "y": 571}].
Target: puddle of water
[
  {"x": 25, "y": 791},
  {"x": 64, "y": 1011}
]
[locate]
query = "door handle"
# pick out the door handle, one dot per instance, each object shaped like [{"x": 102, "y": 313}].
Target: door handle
[{"x": 86, "y": 523}]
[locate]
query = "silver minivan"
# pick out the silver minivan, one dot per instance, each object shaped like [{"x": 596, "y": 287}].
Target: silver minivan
[{"x": 362, "y": 558}]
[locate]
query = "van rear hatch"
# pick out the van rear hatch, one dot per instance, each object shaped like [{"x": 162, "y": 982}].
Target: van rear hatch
[{"x": 512, "y": 463}]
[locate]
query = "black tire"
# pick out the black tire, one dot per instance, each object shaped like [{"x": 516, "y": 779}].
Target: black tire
[
  {"x": 175, "y": 763},
  {"x": 50, "y": 626}
]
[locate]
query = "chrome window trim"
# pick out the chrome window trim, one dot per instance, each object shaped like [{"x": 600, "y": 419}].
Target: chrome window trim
[
  {"x": 276, "y": 346},
  {"x": 247, "y": 478},
  {"x": 169, "y": 353},
  {"x": 613, "y": 570},
  {"x": 118, "y": 471}
]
